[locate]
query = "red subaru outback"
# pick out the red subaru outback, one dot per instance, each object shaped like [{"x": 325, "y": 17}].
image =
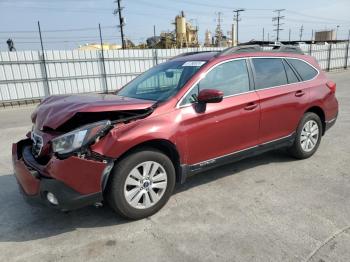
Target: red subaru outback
[{"x": 194, "y": 112}]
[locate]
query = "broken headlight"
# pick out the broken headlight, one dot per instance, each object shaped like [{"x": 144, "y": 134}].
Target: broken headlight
[{"x": 79, "y": 139}]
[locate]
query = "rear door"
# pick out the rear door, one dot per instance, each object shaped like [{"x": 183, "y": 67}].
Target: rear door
[
  {"x": 224, "y": 127},
  {"x": 282, "y": 97}
]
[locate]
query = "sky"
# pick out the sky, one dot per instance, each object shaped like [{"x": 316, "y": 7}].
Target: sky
[{"x": 66, "y": 24}]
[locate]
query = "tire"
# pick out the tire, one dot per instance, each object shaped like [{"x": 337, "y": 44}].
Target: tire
[
  {"x": 126, "y": 180},
  {"x": 306, "y": 143}
]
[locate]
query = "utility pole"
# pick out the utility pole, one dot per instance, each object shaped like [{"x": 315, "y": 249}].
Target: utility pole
[
  {"x": 312, "y": 36},
  {"x": 289, "y": 34},
  {"x": 263, "y": 35},
  {"x": 121, "y": 21},
  {"x": 301, "y": 30},
  {"x": 268, "y": 37},
  {"x": 337, "y": 32},
  {"x": 233, "y": 35},
  {"x": 237, "y": 11},
  {"x": 278, "y": 18}
]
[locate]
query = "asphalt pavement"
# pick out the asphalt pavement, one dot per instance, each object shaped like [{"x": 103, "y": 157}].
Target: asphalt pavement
[{"x": 266, "y": 208}]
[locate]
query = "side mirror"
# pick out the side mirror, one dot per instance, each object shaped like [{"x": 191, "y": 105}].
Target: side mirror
[{"x": 210, "y": 96}]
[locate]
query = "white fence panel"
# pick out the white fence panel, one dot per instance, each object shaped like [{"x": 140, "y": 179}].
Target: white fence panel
[
  {"x": 320, "y": 52},
  {"x": 23, "y": 76},
  {"x": 338, "y": 56}
]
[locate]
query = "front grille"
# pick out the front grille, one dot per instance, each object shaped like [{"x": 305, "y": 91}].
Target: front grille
[{"x": 37, "y": 144}]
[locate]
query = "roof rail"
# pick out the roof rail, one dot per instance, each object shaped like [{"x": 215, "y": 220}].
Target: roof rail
[
  {"x": 240, "y": 49},
  {"x": 257, "y": 48},
  {"x": 190, "y": 53},
  {"x": 287, "y": 49}
]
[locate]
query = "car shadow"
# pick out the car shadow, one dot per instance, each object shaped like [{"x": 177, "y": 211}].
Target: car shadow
[
  {"x": 20, "y": 222},
  {"x": 276, "y": 156}
]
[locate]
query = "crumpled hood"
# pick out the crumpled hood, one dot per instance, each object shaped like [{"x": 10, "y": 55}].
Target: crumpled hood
[{"x": 56, "y": 110}]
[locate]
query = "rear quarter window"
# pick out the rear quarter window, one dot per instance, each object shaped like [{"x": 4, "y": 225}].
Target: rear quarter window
[{"x": 305, "y": 71}]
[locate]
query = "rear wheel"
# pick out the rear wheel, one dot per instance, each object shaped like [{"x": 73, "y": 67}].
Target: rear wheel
[
  {"x": 141, "y": 184},
  {"x": 308, "y": 136}
]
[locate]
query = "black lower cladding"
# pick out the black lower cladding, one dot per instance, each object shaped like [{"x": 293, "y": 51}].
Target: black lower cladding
[
  {"x": 67, "y": 198},
  {"x": 330, "y": 123},
  {"x": 188, "y": 170}
]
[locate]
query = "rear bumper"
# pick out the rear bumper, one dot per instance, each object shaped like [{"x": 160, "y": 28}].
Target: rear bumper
[{"x": 58, "y": 177}]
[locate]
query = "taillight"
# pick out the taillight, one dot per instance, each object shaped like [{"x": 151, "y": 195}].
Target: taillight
[{"x": 332, "y": 86}]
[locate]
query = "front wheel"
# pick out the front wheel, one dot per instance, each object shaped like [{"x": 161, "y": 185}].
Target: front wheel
[
  {"x": 308, "y": 136},
  {"x": 141, "y": 184}
]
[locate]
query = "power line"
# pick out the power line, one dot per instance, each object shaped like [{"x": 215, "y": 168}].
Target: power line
[
  {"x": 86, "y": 10},
  {"x": 163, "y": 7},
  {"x": 60, "y": 9},
  {"x": 317, "y": 17},
  {"x": 72, "y": 41},
  {"x": 237, "y": 11},
  {"x": 200, "y": 3},
  {"x": 311, "y": 22},
  {"x": 278, "y": 18},
  {"x": 62, "y": 37},
  {"x": 145, "y": 2},
  {"x": 57, "y": 30}
]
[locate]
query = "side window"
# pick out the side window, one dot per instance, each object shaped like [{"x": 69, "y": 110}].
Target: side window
[
  {"x": 292, "y": 78},
  {"x": 306, "y": 71},
  {"x": 231, "y": 78},
  {"x": 269, "y": 72}
]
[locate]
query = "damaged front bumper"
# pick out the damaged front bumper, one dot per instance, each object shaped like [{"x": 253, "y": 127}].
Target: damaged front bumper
[{"x": 75, "y": 182}]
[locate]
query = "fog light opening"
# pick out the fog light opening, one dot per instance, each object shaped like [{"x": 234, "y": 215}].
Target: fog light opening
[{"x": 51, "y": 198}]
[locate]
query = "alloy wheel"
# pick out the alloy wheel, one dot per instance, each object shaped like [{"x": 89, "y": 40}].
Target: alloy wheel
[
  {"x": 145, "y": 185},
  {"x": 309, "y": 135}
]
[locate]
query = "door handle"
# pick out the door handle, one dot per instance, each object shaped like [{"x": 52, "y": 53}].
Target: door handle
[
  {"x": 299, "y": 93},
  {"x": 251, "y": 106}
]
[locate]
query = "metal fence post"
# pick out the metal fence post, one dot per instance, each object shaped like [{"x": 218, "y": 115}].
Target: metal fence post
[
  {"x": 104, "y": 73},
  {"x": 43, "y": 65},
  {"x": 329, "y": 57},
  {"x": 346, "y": 56},
  {"x": 310, "y": 49},
  {"x": 155, "y": 56}
]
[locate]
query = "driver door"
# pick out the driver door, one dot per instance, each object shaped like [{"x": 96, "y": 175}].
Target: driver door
[{"x": 226, "y": 127}]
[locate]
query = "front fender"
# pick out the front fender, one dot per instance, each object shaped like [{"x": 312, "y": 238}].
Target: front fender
[{"x": 124, "y": 137}]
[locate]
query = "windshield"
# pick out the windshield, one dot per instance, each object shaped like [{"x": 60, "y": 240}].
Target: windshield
[{"x": 161, "y": 82}]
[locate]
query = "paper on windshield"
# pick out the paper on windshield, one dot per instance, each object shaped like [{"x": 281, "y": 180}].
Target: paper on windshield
[{"x": 194, "y": 63}]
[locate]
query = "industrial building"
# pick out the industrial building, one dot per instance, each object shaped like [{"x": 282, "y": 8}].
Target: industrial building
[
  {"x": 186, "y": 33},
  {"x": 95, "y": 46},
  {"x": 325, "y": 36}
]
